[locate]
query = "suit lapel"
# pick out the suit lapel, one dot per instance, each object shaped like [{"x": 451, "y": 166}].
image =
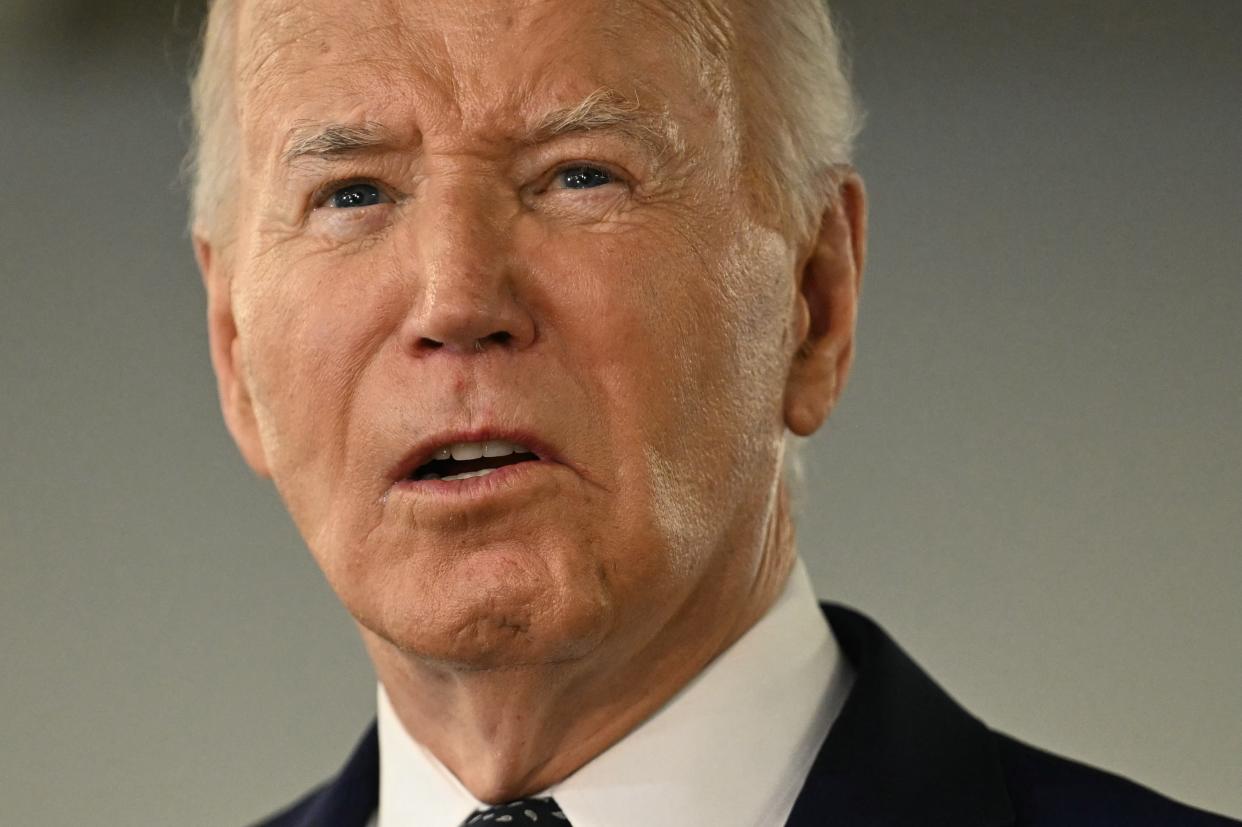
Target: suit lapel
[
  {"x": 349, "y": 800},
  {"x": 902, "y": 752}
]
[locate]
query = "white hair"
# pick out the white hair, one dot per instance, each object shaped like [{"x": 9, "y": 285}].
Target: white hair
[
  {"x": 798, "y": 106},
  {"x": 214, "y": 157},
  {"x": 799, "y": 114}
]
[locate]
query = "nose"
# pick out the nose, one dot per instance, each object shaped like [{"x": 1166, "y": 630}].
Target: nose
[{"x": 462, "y": 257}]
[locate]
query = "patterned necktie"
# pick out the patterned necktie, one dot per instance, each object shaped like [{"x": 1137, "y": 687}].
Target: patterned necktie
[{"x": 522, "y": 813}]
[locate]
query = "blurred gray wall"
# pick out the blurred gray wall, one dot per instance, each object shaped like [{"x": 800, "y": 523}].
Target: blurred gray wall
[{"x": 1034, "y": 481}]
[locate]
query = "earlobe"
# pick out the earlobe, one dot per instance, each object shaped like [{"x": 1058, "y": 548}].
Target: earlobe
[
  {"x": 826, "y": 308},
  {"x": 235, "y": 398}
]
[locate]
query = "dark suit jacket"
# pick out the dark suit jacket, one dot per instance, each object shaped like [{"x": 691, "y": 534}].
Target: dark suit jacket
[{"x": 902, "y": 752}]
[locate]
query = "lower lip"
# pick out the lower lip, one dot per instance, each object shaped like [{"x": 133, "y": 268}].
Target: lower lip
[{"x": 504, "y": 479}]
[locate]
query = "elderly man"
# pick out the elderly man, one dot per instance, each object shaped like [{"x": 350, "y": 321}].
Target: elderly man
[{"x": 516, "y": 302}]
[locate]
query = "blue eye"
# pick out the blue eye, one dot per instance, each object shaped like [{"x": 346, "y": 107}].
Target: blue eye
[
  {"x": 583, "y": 178},
  {"x": 355, "y": 195}
]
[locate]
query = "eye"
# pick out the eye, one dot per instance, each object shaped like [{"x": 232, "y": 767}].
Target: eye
[
  {"x": 583, "y": 177},
  {"x": 355, "y": 195}
]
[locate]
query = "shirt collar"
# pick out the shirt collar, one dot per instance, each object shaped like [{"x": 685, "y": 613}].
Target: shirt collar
[{"x": 733, "y": 746}]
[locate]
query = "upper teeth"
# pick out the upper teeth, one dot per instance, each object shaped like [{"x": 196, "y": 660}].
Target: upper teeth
[{"x": 474, "y": 450}]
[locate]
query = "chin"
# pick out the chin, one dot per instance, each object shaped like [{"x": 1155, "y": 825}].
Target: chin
[{"x": 493, "y": 610}]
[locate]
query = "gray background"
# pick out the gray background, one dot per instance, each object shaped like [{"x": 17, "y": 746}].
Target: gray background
[{"x": 1034, "y": 481}]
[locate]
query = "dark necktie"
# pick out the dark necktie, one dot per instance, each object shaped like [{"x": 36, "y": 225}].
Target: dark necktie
[{"x": 522, "y": 813}]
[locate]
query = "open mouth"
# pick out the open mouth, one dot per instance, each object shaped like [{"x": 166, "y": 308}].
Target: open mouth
[{"x": 463, "y": 460}]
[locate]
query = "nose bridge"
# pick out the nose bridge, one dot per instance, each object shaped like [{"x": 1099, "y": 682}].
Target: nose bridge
[
  {"x": 462, "y": 261},
  {"x": 460, "y": 240}
]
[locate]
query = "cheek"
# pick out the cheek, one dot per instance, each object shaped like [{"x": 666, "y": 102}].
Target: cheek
[
  {"x": 754, "y": 297},
  {"x": 693, "y": 331},
  {"x": 621, "y": 312},
  {"x": 683, "y": 340},
  {"x": 307, "y": 339},
  {"x": 717, "y": 475}
]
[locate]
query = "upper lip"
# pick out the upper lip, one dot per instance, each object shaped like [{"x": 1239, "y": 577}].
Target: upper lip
[{"x": 426, "y": 448}]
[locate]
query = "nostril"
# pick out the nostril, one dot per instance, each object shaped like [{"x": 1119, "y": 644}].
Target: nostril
[
  {"x": 503, "y": 338},
  {"x": 500, "y": 337}
]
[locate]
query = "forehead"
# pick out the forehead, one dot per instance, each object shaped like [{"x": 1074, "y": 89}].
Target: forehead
[{"x": 474, "y": 59}]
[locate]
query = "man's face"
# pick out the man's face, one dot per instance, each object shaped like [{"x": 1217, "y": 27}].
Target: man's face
[{"x": 432, "y": 248}]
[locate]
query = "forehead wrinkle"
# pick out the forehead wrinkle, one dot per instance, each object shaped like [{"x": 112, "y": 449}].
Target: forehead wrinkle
[
  {"x": 404, "y": 41},
  {"x": 705, "y": 25},
  {"x": 707, "y": 31},
  {"x": 281, "y": 42},
  {"x": 267, "y": 32},
  {"x": 441, "y": 50}
]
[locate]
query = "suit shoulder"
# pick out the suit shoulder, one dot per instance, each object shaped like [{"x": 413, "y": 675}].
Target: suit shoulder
[
  {"x": 348, "y": 800},
  {"x": 294, "y": 814},
  {"x": 1047, "y": 789}
]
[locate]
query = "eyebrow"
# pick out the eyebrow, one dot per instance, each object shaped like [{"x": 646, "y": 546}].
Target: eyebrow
[
  {"x": 313, "y": 140},
  {"x": 609, "y": 111},
  {"x": 604, "y": 110}
]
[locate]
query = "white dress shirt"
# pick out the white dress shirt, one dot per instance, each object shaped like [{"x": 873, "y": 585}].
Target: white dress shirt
[{"x": 733, "y": 747}]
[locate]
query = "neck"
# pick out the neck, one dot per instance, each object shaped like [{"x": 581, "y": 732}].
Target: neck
[{"x": 512, "y": 732}]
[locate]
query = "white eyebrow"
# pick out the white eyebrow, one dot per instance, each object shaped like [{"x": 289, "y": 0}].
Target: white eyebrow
[
  {"x": 312, "y": 140},
  {"x": 604, "y": 110},
  {"x": 608, "y": 110}
]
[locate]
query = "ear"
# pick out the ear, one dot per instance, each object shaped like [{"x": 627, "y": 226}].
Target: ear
[
  {"x": 826, "y": 309},
  {"x": 235, "y": 399}
]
